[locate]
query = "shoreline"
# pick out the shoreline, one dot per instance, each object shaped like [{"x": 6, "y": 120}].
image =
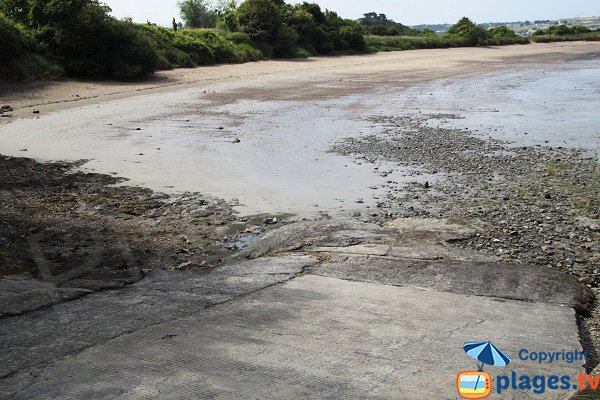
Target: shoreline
[{"x": 49, "y": 96}]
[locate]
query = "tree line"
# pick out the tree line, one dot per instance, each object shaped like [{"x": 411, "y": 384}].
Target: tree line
[{"x": 40, "y": 38}]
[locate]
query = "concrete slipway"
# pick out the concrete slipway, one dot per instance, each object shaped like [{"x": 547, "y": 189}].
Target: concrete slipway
[{"x": 355, "y": 311}]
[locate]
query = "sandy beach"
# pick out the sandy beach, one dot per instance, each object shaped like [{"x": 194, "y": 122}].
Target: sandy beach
[{"x": 413, "y": 66}]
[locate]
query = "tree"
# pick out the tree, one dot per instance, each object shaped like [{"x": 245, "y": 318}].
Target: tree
[
  {"x": 226, "y": 6},
  {"x": 17, "y": 10},
  {"x": 468, "y": 29},
  {"x": 260, "y": 19},
  {"x": 85, "y": 40},
  {"x": 196, "y": 14}
]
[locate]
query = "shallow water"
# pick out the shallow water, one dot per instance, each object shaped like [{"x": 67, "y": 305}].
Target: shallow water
[{"x": 547, "y": 107}]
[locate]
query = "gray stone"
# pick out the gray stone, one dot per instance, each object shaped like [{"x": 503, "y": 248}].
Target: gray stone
[{"x": 19, "y": 294}]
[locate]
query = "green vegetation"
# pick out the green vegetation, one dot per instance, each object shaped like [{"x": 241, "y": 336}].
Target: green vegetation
[
  {"x": 396, "y": 43},
  {"x": 562, "y": 30},
  {"x": 197, "y": 14},
  {"x": 284, "y": 30},
  {"x": 463, "y": 33},
  {"x": 563, "y": 33},
  {"x": 45, "y": 38},
  {"x": 380, "y": 25},
  {"x": 42, "y": 37},
  {"x": 19, "y": 54}
]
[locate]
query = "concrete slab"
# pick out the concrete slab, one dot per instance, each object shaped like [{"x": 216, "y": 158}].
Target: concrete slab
[
  {"x": 312, "y": 337},
  {"x": 532, "y": 283},
  {"x": 39, "y": 337}
]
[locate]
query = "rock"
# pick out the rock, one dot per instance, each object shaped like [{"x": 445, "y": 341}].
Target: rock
[
  {"x": 426, "y": 185},
  {"x": 201, "y": 212},
  {"x": 236, "y": 140},
  {"x": 6, "y": 108},
  {"x": 69, "y": 293},
  {"x": 270, "y": 221},
  {"x": 36, "y": 111},
  {"x": 20, "y": 294},
  {"x": 183, "y": 265}
]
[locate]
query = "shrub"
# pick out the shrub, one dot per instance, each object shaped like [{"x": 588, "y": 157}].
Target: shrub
[
  {"x": 468, "y": 29},
  {"x": 562, "y": 30},
  {"x": 86, "y": 41},
  {"x": 260, "y": 19},
  {"x": 382, "y": 30},
  {"x": 502, "y": 32},
  {"x": 18, "y": 52}
]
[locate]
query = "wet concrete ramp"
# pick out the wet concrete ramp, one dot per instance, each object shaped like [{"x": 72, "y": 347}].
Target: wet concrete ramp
[{"x": 311, "y": 337}]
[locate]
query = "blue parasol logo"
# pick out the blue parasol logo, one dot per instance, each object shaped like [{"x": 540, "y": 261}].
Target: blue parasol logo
[{"x": 486, "y": 353}]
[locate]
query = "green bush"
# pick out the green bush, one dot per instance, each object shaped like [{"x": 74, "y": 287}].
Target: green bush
[
  {"x": 502, "y": 32},
  {"x": 590, "y": 36},
  {"x": 260, "y": 19},
  {"x": 562, "y": 30},
  {"x": 86, "y": 41},
  {"x": 193, "y": 47},
  {"x": 467, "y": 29},
  {"x": 16, "y": 10},
  {"x": 382, "y": 30},
  {"x": 82, "y": 38},
  {"x": 395, "y": 43},
  {"x": 19, "y": 55}
]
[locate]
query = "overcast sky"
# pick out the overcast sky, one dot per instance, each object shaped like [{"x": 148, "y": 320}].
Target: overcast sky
[{"x": 408, "y": 12}]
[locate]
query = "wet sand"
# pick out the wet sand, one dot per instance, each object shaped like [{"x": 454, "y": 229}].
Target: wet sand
[{"x": 179, "y": 131}]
